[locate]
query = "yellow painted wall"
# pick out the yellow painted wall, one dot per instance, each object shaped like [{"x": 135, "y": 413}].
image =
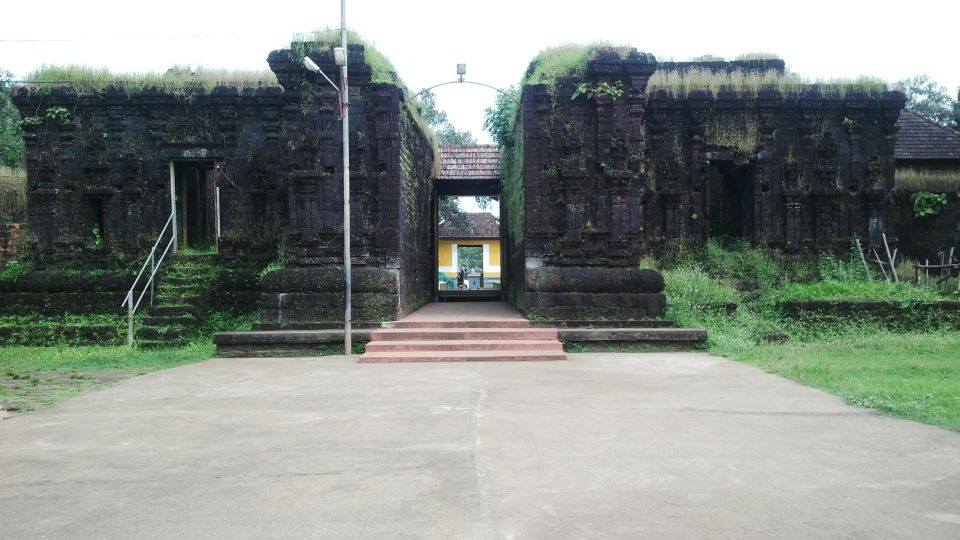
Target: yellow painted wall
[{"x": 445, "y": 253}]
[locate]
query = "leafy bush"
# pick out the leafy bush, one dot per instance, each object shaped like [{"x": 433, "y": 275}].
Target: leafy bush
[
  {"x": 16, "y": 269},
  {"x": 926, "y": 204},
  {"x": 831, "y": 268}
]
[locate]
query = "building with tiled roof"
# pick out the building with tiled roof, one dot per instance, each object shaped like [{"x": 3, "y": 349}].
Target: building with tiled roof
[
  {"x": 923, "y": 141},
  {"x": 469, "y": 169},
  {"x": 471, "y": 225},
  {"x": 472, "y": 242},
  {"x": 470, "y": 161}
]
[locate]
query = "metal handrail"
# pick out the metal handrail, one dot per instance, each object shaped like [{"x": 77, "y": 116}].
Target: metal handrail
[{"x": 154, "y": 266}]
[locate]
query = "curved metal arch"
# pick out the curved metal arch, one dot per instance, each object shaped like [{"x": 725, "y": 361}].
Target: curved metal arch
[{"x": 418, "y": 94}]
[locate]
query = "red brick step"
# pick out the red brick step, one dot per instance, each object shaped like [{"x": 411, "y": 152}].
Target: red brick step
[
  {"x": 515, "y": 323},
  {"x": 464, "y": 345},
  {"x": 460, "y": 356},
  {"x": 392, "y": 334}
]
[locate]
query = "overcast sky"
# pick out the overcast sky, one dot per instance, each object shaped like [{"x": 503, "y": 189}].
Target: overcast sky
[{"x": 495, "y": 38}]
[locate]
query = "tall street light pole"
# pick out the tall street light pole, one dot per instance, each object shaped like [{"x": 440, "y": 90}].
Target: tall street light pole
[
  {"x": 345, "y": 111},
  {"x": 340, "y": 58}
]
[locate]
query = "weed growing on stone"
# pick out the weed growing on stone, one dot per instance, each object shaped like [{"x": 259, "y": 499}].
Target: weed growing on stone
[
  {"x": 176, "y": 80},
  {"x": 680, "y": 83},
  {"x": 919, "y": 180}
]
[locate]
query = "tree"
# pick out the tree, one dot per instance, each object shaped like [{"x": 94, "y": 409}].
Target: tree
[
  {"x": 451, "y": 135},
  {"x": 498, "y": 120},
  {"x": 438, "y": 120},
  {"x": 11, "y": 138},
  {"x": 956, "y": 111},
  {"x": 930, "y": 100},
  {"x": 451, "y": 212}
]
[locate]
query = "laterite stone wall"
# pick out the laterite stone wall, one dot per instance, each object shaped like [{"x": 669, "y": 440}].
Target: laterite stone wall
[
  {"x": 277, "y": 157},
  {"x": 608, "y": 180}
]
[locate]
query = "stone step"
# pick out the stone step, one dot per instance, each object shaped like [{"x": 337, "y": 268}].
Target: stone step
[
  {"x": 507, "y": 323},
  {"x": 393, "y": 334},
  {"x": 161, "y": 333},
  {"x": 170, "y": 320},
  {"x": 162, "y": 344},
  {"x": 178, "y": 280},
  {"x": 464, "y": 345},
  {"x": 354, "y": 325},
  {"x": 180, "y": 287},
  {"x": 461, "y": 356},
  {"x": 171, "y": 310},
  {"x": 173, "y": 297}
]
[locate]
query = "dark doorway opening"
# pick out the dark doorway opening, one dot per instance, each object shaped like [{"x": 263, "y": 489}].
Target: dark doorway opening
[
  {"x": 196, "y": 204},
  {"x": 730, "y": 199}
]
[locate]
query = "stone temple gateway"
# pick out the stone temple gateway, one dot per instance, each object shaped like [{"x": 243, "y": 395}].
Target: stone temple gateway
[{"x": 592, "y": 183}]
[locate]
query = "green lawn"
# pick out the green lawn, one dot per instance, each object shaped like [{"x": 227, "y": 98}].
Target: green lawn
[
  {"x": 31, "y": 377},
  {"x": 915, "y": 376}
]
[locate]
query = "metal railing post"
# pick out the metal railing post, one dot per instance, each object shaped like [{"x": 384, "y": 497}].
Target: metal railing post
[
  {"x": 153, "y": 268},
  {"x": 149, "y": 285},
  {"x": 173, "y": 204},
  {"x": 129, "y": 320}
]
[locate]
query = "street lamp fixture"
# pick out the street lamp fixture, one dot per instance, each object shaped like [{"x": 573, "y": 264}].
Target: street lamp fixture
[
  {"x": 340, "y": 56},
  {"x": 314, "y": 68}
]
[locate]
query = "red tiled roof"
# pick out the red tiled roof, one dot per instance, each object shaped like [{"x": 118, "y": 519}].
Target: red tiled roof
[
  {"x": 469, "y": 162},
  {"x": 920, "y": 138},
  {"x": 472, "y": 225}
]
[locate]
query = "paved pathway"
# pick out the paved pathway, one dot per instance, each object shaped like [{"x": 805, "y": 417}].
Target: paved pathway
[{"x": 600, "y": 446}]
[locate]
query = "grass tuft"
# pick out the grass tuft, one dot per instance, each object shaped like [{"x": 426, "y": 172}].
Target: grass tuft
[
  {"x": 176, "y": 80},
  {"x": 13, "y": 195},
  {"x": 567, "y": 60},
  {"x": 382, "y": 70},
  {"x": 910, "y": 180},
  {"x": 680, "y": 83},
  {"x": 757, "y": 56}
]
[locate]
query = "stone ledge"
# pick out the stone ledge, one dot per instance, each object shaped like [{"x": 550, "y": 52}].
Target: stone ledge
[
  {"x": 273, "y": 337},
  {"x": 634, "y": 335},
  {"x": 587, "y": 323}
]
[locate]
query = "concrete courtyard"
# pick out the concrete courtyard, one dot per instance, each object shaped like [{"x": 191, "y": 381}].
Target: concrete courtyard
[{"x": 677, "y": 445}]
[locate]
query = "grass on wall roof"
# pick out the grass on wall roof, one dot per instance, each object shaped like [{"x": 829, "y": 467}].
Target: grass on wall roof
[
  {"x": 381, "y": 71},
  {"x": 570, "y": 60},
  {"x": 912, "y": 180},
  {"x": 680, "y": 83},
  {"x": 757, "y": 56},
  {"x": 381, "y": 68},
  {"x": 177, "y": 79},
  {"x": 567, "y": 60}
]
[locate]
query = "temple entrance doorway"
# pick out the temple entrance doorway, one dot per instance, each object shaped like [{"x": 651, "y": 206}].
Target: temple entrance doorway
[
  {"x": 730, "y": 199},
  {"x": 467, "y": 234},
  {"x": 197, "y": 202}
]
